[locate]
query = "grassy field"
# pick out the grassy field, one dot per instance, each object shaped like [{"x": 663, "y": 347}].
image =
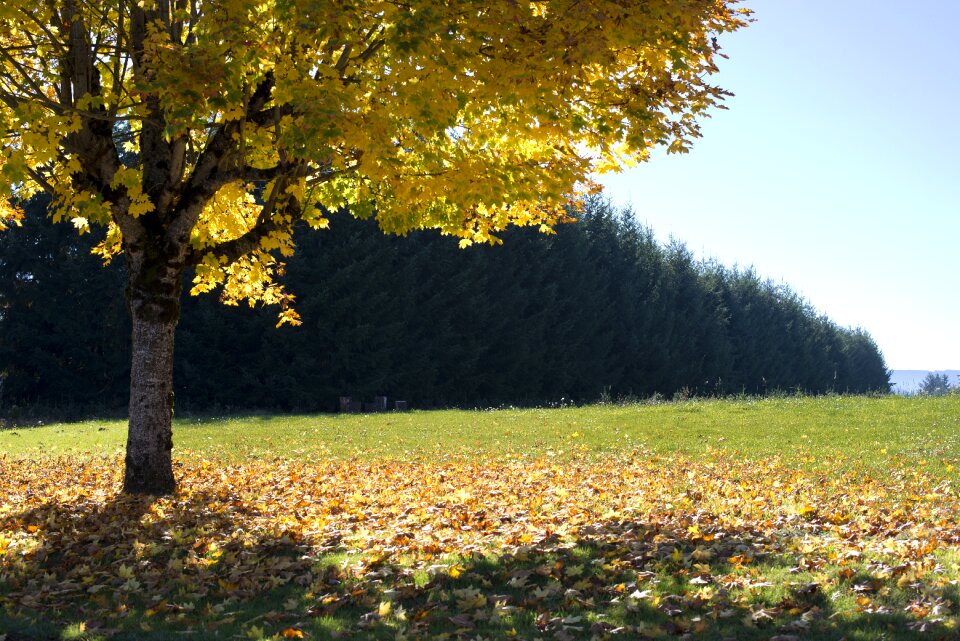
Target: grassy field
[
  {"x": 781, "y": 519},
  {"x": 801, "y": 430}
]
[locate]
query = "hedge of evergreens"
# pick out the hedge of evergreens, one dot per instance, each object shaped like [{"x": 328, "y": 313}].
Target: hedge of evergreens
[{"x": 598, "y": 309}]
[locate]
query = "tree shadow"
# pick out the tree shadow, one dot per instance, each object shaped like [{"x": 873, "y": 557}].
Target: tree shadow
[
  {"x": 110, "y": 568},
  {"x": 140, "y": 568}
]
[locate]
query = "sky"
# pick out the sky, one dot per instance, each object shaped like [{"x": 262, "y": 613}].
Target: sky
[{"x": 836, "y": 169}]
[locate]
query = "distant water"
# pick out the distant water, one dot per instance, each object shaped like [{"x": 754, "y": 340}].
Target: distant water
[{"x": 907, "y": 381}]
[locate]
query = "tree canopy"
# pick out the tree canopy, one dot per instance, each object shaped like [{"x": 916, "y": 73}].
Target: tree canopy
[
  {"x": 243, "y": 117},
  {"x": 198, "y": 133},
  {"x": 935, "y": 384}
]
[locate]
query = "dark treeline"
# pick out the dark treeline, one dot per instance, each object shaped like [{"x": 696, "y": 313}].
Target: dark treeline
[{"x": 598, "y": 309}]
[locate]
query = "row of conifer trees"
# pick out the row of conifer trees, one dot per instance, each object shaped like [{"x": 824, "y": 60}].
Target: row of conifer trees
[{"x": 598, "y": 309}]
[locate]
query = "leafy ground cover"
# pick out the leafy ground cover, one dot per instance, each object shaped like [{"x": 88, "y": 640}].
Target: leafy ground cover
[{"x": 558, "y": 534}]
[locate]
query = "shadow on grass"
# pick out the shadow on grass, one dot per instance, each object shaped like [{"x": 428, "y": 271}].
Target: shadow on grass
[
  {"x": 135, "y": 568},
  {"x": 114, "y": 568},
  {"x": 186, "y": 419}
]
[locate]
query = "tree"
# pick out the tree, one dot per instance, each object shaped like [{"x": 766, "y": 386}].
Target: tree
[
  {"x": 63, "y": 342},
  {"x": 934, "y": 384},
  {"x": 198, "y": 133},
  {"x": 599, "y": 308}
]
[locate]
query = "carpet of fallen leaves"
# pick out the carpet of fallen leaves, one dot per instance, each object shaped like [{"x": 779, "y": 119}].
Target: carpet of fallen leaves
[{"x": 629, "y": 546}]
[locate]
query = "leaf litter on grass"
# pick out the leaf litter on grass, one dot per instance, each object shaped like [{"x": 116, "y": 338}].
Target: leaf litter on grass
[{"x": 631, "y": 546}]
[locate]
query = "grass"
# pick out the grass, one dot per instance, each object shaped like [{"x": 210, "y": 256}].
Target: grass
[
  {"x": 799, "y": 518},
  {"x": 871, "y": 431}
]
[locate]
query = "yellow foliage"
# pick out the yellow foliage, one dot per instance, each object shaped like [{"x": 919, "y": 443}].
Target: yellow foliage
[
  {"x": 616, "y": 536},
  {"x": 240, "y": 120},
  {"x": 9, "y": 214}
]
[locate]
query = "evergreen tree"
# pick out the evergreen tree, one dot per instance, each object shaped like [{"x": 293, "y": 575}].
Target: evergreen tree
[
  {"x": 934, "y": 384},
  {"x": 64, "y": 337},
  {"x": 599, "y": 307}
]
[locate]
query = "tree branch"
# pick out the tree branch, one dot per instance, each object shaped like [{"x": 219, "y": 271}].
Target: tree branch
[
  {"x": 268, "y": 221},
  {"x": 209, "y": 174},
  {"x": 40, "y": 180},
  {"x": 37, "y": 93},
  {"x": 93, "y": 144}
]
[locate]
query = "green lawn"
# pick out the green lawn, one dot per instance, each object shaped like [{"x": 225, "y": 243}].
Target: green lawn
[{"x": 873, "y": 431}]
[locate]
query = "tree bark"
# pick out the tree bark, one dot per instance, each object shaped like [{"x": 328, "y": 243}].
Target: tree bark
[{"x": 153, "y": 297}]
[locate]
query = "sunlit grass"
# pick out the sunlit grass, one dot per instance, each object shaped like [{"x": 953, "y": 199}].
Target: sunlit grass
[{"x": 806, "y": 431}]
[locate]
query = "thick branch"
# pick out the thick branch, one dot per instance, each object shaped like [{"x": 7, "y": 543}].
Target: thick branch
[
  {"x": 210, "y": 174},
  {"x": 157, "y": 153},
  {"x": 164, "y": 160},
  {"x": 278, "y": 213},
  {"x": 38, "y": 178},
  {"x": 93, "y": 144},
  {"x": 223, "y": 141},
  {"x": 191, "y": 204}
]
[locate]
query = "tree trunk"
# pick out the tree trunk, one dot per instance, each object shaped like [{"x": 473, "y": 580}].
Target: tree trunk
[{"x": 153, "y": 297}]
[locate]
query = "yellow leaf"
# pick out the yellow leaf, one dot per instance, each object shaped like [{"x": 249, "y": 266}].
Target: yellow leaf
[
  {"x": 702, "y": 554},
  {"x": 227, "y": 586}
]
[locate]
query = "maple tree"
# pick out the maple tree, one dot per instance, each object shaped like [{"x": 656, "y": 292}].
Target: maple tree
[{"x": 197, "y": 134}]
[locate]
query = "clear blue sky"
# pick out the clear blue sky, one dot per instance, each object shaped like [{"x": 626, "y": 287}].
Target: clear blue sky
[{"x": 836, "y": 169}]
